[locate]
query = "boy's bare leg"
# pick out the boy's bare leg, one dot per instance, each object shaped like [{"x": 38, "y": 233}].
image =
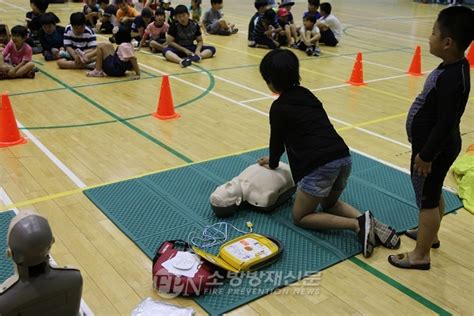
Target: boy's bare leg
[
  {"x": 206, "y": 53},
  {"x": 23, "y": 70},
  {"x": 294, "y": 32},
  {"x": 304, "y": 215},
  {"x": 103, "y": 51},
  {"x": 333, "y": 205},
  {"x": 173, "y": 57},
  {"x": 69, "y": 64},
  {"x": 429, "y": 222},
  {"x": 224, "y": 25},
  {"x": 441, "y": 214},
  {"x": 156, "y": 47},
  {"x": 289, "y": 38}
]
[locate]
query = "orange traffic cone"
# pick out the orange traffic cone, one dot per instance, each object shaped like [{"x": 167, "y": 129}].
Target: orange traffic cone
[
  {"x": 357, "y": 77},
  {"x": 165, "y": 109},
  {"x": 470, "y": 55},
  {"x": 415, "y": 67},
  {"x": 9, "y": 133}
]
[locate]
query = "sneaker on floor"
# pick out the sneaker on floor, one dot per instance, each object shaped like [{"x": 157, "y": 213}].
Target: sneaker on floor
[
  {"x": 64, "y": 54},
  {"x": 186, "y": 62},
  {"x": 316, "y": 51},
  {"x": 234, "y": 31},
  {"x": 295, "y": 45},
  {"x": 96, "y": 73},
  {"x": 386, "y": 235},
  {"x": 90, "y": 66},
  {"x": 309, "y": 51},
  {"x": 195, "y": 58},
  {"x": 366, "y": 233}
]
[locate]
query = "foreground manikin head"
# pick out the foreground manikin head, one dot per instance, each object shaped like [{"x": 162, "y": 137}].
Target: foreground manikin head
[
  {"x": 29, "y": 242},
  {"x": 258, "y": 186}
]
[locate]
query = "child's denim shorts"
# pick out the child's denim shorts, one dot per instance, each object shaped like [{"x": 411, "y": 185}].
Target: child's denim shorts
[{"x": 332, "y": 176}]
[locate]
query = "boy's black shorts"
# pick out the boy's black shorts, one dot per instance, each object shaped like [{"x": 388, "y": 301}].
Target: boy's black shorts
[
  {"x": 428, "y": 190},
  {"x": 328, "y": 38}
]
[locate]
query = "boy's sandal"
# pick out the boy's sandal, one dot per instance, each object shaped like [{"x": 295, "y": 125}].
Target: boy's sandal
[
  {"x": 413, "y": 234},
  {"x": 402, "y": 261}
]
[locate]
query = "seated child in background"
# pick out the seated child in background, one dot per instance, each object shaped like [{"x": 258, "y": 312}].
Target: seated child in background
[
  {"x": 4, "y": 36},
  {"x": 38, "y": 8},
  {"x": 196, "y": 10},
  {"x": 261, "y": 6},
  {"x": 107, "y": 19},
  {"x": 267, "y": 30},
  {"x": 125, "y": 13},
  {"x": 169, "y": 10},
  {"x": 139, "y": 5},
  {"x": 310, "y": 36},
  {"x": 78, "y": 40},
  {"x": 213, "y": 20},
  {"x": 15, "y": 59},
  {"x": 51, "y": 37},
  {"x": 91, "y": 12},
  {"x": 289, "y": 24},
  {"x": 152, "y": 4},
  {"x": 313, "y": 6},
  {"x": 156, "y": 32},
  {"x": 114, "y": 62},
  {"x": 331, "y": 29},
  {"x": 286, "y": 35},
  {"x": 181, "y": 36},
  {"x": 140, "y": 23}
]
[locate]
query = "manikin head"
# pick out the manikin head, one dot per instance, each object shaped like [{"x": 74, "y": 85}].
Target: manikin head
[
  {"x": 29, "y": 240},
  {"x": 228, "y": 194}
]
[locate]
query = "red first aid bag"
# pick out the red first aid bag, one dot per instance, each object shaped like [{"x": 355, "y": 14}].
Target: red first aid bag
[{"x": 178, "y": 271}]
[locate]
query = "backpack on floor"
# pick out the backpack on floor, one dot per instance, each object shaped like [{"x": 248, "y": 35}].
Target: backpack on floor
[{"x": 178, "y": 271}]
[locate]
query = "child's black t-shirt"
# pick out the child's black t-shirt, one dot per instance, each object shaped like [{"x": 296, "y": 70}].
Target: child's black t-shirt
[
  {"x": 185, "y": 35},
  {"x": 434, "y": 117},
  {"x": 300, "y": 124}
]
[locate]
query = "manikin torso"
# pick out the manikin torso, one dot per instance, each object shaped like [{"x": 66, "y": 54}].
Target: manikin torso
[{"x": 257, "y": 185}]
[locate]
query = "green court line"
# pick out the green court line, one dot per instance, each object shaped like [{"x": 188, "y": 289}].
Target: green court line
[
  {"x": 212, "y": 83},
  {"x": 120, "y": 119},
  {"x": 402, "y": 288},
  {"x": 211, "y": 86}
]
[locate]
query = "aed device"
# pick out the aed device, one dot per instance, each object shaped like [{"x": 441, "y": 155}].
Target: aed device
[{"x": 248, "y": 252}]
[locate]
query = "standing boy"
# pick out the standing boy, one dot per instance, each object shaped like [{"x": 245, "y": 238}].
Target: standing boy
[{"x": 433, "y": 128}]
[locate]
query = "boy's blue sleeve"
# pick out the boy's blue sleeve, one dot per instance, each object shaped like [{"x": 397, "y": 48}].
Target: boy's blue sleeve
[{"x": 449, "y": 102}]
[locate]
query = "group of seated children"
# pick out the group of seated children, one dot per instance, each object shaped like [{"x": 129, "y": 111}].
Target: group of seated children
[
  {"x": 270, "y": 29},
  {"x": 175, "y": 32}
]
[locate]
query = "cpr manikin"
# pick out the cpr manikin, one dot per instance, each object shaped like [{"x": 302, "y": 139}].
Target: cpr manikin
[
  {"x": 260, "y": 187},
  {"x": 38, "y": 287}
]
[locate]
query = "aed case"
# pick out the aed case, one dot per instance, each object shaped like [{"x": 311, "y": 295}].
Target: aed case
[{"x": 248, "y": 252}]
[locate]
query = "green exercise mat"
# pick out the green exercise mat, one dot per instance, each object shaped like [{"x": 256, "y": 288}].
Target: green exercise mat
[
  {"x": 6, "y": 265},
  {"x": 170, "y": 204}
]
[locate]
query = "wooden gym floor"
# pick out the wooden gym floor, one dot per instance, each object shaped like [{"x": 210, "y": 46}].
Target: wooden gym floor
[{"x": 84, "y": 132}]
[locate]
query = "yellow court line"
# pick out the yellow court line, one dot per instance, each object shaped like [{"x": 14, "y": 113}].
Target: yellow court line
[
  {"x": 317, "y": 73},
  {"x": 389, "y": 94},
  {"x": 382, "y": 119},
  {"x": 79, "y": 190}
]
